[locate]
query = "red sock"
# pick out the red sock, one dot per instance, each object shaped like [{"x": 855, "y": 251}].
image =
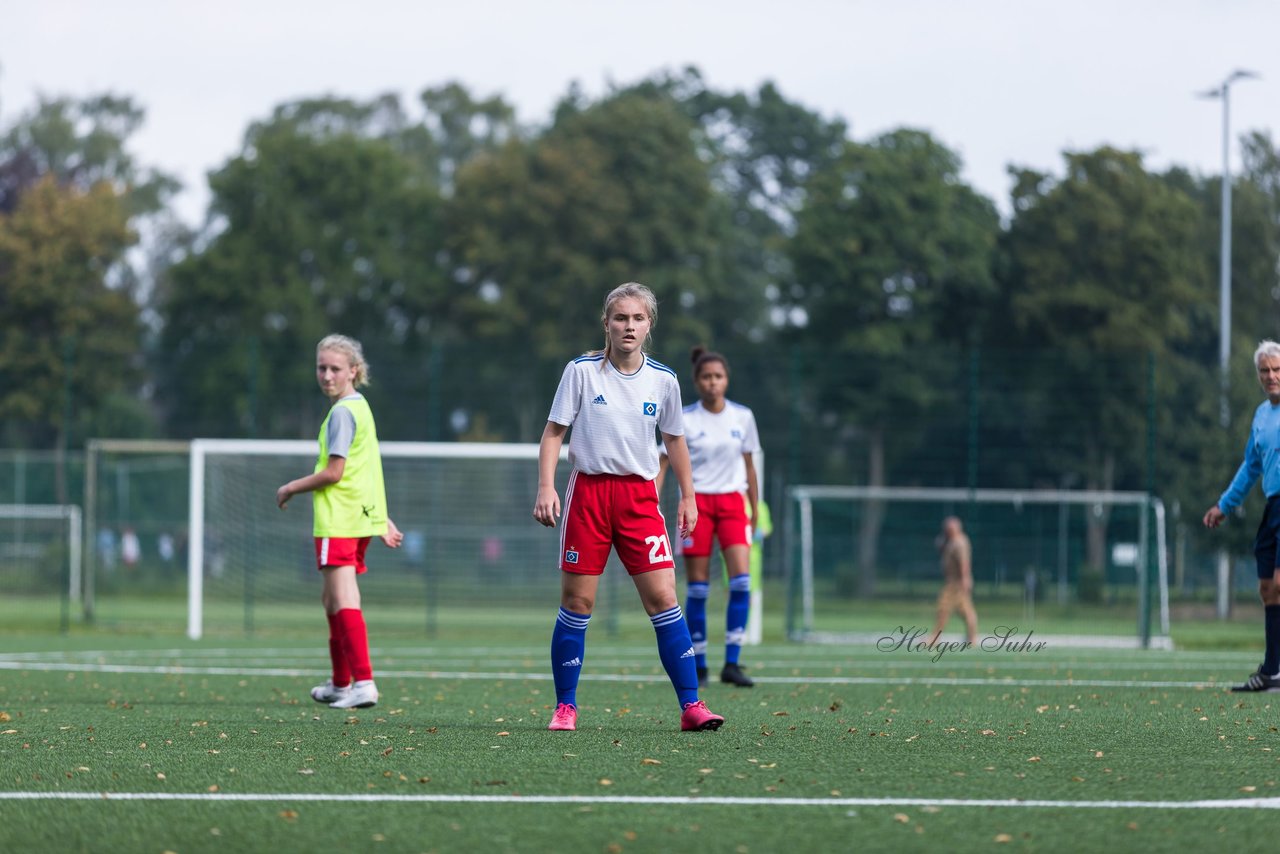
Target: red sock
[
  {"x": 355, "y": 643},
  {"x": 338, "y": 655}
]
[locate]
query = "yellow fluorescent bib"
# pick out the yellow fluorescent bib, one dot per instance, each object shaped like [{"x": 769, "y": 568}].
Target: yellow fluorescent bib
[{"x": 355, "y": 506}]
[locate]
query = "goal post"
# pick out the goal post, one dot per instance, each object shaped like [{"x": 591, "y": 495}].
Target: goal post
[{"x": 1026, "y": 543}]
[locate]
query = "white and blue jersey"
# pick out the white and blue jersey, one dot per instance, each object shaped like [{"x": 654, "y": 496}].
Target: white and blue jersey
[
  {"x": 717, "y": 442},
  {"x": 614, "y": 415},
  {"x": 1261, "y": 458}
]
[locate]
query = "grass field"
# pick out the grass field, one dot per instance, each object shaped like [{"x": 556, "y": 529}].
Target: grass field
[{"x": 128, "y": 737}]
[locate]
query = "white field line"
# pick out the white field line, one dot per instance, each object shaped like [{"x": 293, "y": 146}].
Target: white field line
[
  {"x": 285, "y": 797},
  {"x": 537, "y": 676},
  {"x": 603, "y": 654}
]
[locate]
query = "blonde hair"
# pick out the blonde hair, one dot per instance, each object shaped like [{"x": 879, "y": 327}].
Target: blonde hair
[
  {"x": 629, "y": 290},
  {"x": 350, "y": 348}
]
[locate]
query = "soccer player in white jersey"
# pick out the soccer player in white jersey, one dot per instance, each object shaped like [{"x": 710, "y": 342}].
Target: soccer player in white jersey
[
  {"x": 615, "y": 399},
  {"x": 721, "y": 436}
]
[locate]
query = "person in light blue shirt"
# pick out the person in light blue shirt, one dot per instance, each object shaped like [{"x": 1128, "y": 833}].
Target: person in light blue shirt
[{"x": 1262, "y": 459}]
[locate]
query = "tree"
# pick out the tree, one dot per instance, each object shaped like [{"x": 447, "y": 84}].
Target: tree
[
  {"x": 69, "y": 337},
  {"x": 1102, "y": 274},
  {"x": 321, "y": 224},
  {"x": 541, "y": 230},
  {"x": 71, "y": 195},
  {"x": 81, "y": 144},
  {"x": 892, "y": 256}
]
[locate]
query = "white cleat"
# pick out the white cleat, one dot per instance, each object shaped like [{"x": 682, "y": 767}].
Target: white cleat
[
  {"x": 361, "y": 695},
  {"x": 328, "y": 692}
]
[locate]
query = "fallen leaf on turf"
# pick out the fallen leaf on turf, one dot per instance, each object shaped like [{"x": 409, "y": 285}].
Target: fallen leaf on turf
[
  {"x": 1248, "y": 788},
  {"x": 606, "y": 782},
  {"x": 9, "y": 732},
  {"x": 647, "y": 761},
  {"x": 4, "y": 717},
  {"x": 306, "y": 771},
  {"x": 901, "y": 817},
  {"x": 501, "y": 734},
  {"x": 1034, "y": 759},
  {"x": 1003, "y": 837},
  {"x": 289, "y": 815}
]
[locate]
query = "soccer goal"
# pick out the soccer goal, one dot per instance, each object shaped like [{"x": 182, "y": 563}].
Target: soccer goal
[
  {"x": 465, "y": 510},
  {"x": 1088, "y": 560},
  {"x": 40, "y": 550}
]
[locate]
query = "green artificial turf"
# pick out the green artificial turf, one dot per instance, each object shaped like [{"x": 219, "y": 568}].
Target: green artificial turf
[{"x": 832, "y": 739}]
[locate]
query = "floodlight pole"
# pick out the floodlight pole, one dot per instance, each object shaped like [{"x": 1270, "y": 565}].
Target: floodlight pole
[
  {"x": 1224, "y": 302},
  {"x": 1223, "y": 92}
]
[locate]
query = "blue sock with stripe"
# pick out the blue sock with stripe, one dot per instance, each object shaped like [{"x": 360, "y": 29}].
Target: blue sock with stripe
[
  {"x": 695, "y": 614},
  {"x": 735, "y": 617},
  {"x": 675, "y": 648},
  {"x": 568, "y": 648}
]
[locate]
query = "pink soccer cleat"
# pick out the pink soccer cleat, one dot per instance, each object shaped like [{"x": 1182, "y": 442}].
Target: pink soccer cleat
[
  {"x": 565, "y": 718},
  {"x": 696, "y": 716}
]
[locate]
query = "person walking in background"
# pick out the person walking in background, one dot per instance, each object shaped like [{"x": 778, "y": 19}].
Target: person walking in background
[
  {"x": 722, "y": 438},
  {"x": 1261, "y": 459},
  {"x": 614, "y": 399},
  {"x": 350, "y": 509},
  {"x": 957, "y": 585}
]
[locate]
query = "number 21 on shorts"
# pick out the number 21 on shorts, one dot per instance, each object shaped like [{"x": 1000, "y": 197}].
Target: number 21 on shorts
[{"x": 659, "y": 549}]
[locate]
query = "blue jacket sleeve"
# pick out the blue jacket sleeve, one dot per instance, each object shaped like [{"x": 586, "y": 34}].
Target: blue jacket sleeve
[{"x": 1246, "y": 477}]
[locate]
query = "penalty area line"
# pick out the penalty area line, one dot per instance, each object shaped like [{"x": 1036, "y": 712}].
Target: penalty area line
[{"x": 627, "y": 800}]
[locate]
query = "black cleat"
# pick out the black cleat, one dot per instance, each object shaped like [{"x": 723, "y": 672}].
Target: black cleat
[
  {"x": 733, "y": 675},
  {"x": 1259, "y": 683}
]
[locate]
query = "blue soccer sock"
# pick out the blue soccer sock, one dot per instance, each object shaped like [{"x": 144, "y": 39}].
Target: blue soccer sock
[
  {"x": 695, "y": 614},
  {"x": 735, "y": 617},
  {"x": 675, "y": 648},
  {"x": 568, "y": 648},
  {"x": 1271, "y": 663}
]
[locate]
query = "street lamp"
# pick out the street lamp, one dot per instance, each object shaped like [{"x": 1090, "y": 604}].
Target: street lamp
[{"x": 1224, "y": 268}]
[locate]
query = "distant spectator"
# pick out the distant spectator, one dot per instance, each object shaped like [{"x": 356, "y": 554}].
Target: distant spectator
[
  {"x": 130, "y": 548},
  {"x": 107, "y": 548},
  {"x": 957, "y": 574},
  {"x": 164, "y": 545}
]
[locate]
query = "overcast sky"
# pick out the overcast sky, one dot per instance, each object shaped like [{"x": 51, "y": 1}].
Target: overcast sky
[{"x": 998, "y": 81}]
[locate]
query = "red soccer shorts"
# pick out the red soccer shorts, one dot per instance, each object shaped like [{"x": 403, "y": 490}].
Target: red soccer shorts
[
  {"x": 722, "y": 516},
  {"x": 618, "y": 511},
  {"x": 342, "y": 551}
]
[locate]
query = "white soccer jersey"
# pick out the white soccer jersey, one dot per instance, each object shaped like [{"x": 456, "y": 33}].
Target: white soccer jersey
[
  {"x": 717, "y": 441},
  {"x": 614, "y": 414}
]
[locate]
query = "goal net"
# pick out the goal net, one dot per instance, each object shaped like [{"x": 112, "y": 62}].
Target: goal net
[
  {"x": 40, "y": 549},
  {"x": 1088, "y": 566},
  {"x": 465, "y": 510}
]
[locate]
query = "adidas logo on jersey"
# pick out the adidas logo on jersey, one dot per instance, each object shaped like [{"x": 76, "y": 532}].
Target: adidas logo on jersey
[
  {"x": 573, "y": 662},
  {"x": 599, "y": 401}
]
